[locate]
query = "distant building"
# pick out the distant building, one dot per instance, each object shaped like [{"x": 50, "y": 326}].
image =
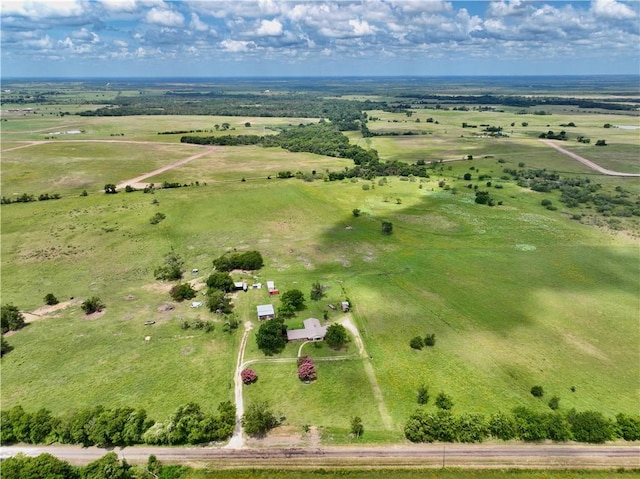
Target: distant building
[
  {"x": 271, "y": 287},
  {"x": 265, "y": 311},
  {"x": 312, "y": 331},
  {"x": 345, "y": 306}
]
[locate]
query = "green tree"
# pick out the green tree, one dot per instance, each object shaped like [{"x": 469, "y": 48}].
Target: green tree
[
  {"x": 259, "y": 419},
  {"x": 108, "y": 467},
  {"x": 293, "y": 297},
  {"x": 182, "y": 291},
  {"x": 11, "y": 319},
  {"x": 357, "y": 429},
  {"x": 430, "y": 340},
  {"x": 110, "y": 189},
  {"x": 554, "y": 402},
  {"x": 387, "y": 227},
  {"x": 50, "y": 299},
  {"x": 590, "y": 426},
  {"x": 172, "y": 269},
  {"x": 92, "y": 305},
  {"x": 467, "y": 176},
  {"x": 217, "y": 301},
  {"x": 220, "y": 280},
  {"x": 628, "y": 427},
  {"x": 317, "y": 291},
  {"x": 271, "y": 336},
  {"x": 356, "y": 211},
  {"x": 336, "y": 336},
  {"x": 44, "y": 466}
]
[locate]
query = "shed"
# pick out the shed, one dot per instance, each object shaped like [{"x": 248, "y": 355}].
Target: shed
[
  {"x": 312, "y": 331},
  {"x": 345, "y": 306},
  {"x": 265, "y": 311}
]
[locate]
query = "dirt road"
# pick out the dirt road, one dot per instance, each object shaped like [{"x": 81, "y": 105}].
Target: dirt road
[
  {"x": 584, "y": 161},
  {"x": 237, "y": 440},
  {"x": 430, "y": 455}
]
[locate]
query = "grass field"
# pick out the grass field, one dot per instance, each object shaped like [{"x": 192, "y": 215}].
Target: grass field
[{"x": 517, "y": 295}]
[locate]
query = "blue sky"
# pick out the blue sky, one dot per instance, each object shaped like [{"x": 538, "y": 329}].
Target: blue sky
[{"x": 156, "y": 38}]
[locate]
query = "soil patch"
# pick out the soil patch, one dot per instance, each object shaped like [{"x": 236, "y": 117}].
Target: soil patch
[{"x": 96, "y": 315}]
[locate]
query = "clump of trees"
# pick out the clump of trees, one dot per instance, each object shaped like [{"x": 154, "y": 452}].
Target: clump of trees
[
  {"x": 27, "y": 198},
  {"x": 357, "y": 428},
  {"x": 220, "y": 280},
  {"x": 317, "y": 291},
  {"x": 523, "y": 424},
  {"x": 123, "y": 426},
  {"x": 249, "y": 260},
  {"x": 172, "y": 269},
  {"x": 182, "y": 291},
  {"x": 11, "y": 319},
  {"x": 306, "y": 369},
  {"x": 290, "y": 302}
]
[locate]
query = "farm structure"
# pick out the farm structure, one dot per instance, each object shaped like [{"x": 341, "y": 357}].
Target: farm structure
[
  {"x": 265, "y": 311},
  {"x": 271, "y": 287},
  {"x": 345, "y": 306},
  {"x": 312, "y": 331},
  {"x": 240, "y": 285}
]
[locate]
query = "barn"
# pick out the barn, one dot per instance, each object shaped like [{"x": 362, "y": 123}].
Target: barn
[{"x": 265, "y": 311}]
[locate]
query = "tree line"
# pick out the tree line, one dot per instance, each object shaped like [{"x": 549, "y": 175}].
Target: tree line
[
  {"x": 521, "y": 424},
  {"x": 123, "y": 426}
]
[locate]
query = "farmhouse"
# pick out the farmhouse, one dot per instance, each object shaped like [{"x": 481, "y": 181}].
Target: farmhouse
[
  {"x": 312, "y": 331},
  {"x": 265, "y": 311}
]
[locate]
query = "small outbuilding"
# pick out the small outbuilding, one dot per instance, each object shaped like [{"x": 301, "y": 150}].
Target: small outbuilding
[
  {"x": 345, "y": 306},
  {"x": 265, "y": 311},
  {"x": 312, "y": 331}
]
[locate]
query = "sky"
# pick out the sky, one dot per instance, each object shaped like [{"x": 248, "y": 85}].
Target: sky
[{"x": 156, "y": 38}]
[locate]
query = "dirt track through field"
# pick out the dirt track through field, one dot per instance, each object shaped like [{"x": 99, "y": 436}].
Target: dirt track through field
[{"x": 584, "y": 161}]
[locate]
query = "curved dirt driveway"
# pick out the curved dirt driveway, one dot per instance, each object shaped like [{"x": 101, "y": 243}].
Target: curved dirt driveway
[{"x": 584, "y": 161}]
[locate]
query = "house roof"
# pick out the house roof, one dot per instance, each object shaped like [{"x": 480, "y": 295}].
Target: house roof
[
  {"x": 312, "y": 330},
  {"x": 266, "y": 310}
]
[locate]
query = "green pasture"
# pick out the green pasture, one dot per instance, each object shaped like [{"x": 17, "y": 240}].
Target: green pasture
[{"x": 517, "y": 295}]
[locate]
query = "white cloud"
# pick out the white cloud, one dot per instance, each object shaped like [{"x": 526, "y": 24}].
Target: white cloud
[
  {"x": 167, "y": 18},
  {"x": 39, "y": 9},
  {"x": 236, "y": 46},
  {"x": 86, "y": 36},
  {"x": 119, "y": 5},
  {"x": 269, "y": 28},
  {"x": 197, "y": 24},
  {"x": 507, "y": 8},
  {"x": 362, "y": 27},
  {"x": 612, "y": 9}
]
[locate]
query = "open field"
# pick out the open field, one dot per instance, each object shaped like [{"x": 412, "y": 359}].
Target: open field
[{"x": 517, "y": 295}]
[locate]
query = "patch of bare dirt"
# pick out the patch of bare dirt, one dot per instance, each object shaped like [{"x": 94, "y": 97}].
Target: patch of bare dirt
[
  {"x": 166, "y": 307},
  {"x": 279, "y": 436},
  {"x": 158, "y": 287},
  {"x": 45, "y": 311},
  {"x": 96, "y": 315}
]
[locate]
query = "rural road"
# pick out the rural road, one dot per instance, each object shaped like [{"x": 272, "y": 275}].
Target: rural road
[
  {"x": 237, "y": 439},
  {"x": 430, "y": 455},
  {"x": 584, "y": 161}
]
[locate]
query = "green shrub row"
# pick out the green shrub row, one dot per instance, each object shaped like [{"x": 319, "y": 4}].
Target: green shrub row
[
  {"x": 523, "y": 424},
  {"x": 123, "y": 426}
]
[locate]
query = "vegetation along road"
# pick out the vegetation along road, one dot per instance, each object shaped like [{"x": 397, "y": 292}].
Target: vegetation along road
[{"x": 449, "y": 455}]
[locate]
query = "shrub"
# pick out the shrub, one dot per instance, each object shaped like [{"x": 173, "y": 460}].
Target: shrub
[
  {"x": 503, "y": 426},
  {"x": 416, "y": 342},
  {"x": 306, "y": 369},
  {"x": 92, "y": 305},
  {"x": 172, "y": 268},
  {"x": 387, "y": 227},
  {"x": 50, "y": 299},
  {"x": 537, "y": 391},
  {"x": 356, "y": 211},
  {"x": 628, "y": 427},
  {"x": 12, "y": 319},
  {"x": 357, "y": 429},
  {"x": 248, "y": 376},
  {"x": 423, "y": 395},
  {"x": 430, "y": 340},
  {"x": 554, "y": 402},
  {"x": 259, "y": 418},
  {"x": 157, "y": 218},
  {"x": 182, "y": 291},
  {"x": 444, "y": 401}
]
